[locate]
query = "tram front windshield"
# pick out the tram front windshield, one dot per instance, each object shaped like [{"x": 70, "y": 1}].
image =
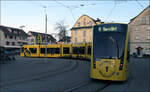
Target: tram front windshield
[{"x": 109, "y": 45}]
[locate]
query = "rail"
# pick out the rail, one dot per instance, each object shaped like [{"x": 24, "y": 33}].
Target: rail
[{"x": 73, "y": 65}]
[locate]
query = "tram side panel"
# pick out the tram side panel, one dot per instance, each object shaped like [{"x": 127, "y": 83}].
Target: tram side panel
[
  {"x": 42, "y": 51},
  {"x": 88, "y": 51}
]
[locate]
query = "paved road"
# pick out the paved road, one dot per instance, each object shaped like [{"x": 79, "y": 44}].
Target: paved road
[{"x": 59, "y": 75}]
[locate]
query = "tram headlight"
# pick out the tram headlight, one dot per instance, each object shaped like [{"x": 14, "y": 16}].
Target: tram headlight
[
  {"x": 121, "y": 65},
  {"x": 117, "y": 73},
  {"x": 94, "y": 64}
]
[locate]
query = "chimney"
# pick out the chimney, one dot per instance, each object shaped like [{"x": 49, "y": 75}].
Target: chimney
[{"x": 98, "y": 20}]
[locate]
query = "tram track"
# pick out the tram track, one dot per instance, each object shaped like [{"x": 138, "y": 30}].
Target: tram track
[
  {"x": 102, "y": 88},
  {"x": 79, "y": 85},
  {"x": 70, "y": 67}
]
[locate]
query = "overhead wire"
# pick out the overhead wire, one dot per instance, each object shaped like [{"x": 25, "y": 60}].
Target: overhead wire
[
  {"x": 69, "y": 8},
  {"x": 139, "y": 3},
  {"x": 111, "y": 11}
]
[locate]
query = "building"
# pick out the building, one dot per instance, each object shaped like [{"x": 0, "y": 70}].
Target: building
[
  {"x": 65, "y": 40},
  {"x": 81, "y": 32},
  {"x": 12, "y": 37},
  {"x": 139, "y": 28},
  {"x": 32, "y": 38}
]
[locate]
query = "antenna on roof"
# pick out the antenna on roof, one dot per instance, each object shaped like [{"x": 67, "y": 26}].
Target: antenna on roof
[{"x": 21, "y": 27}]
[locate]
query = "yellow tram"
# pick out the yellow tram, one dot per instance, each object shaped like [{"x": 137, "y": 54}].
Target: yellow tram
[{"x": 110, "y": 52}]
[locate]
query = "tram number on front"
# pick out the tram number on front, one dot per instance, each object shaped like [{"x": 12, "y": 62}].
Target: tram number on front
[{"x": 106, "y": 29}]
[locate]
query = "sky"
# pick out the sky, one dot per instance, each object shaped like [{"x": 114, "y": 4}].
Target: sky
[{"x": 31, "y": 14}]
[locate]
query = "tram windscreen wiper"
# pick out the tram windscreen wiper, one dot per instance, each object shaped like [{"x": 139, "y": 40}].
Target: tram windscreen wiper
[
  {"x": 115, "y": 41},
  {"x": 109, "y": 57}
]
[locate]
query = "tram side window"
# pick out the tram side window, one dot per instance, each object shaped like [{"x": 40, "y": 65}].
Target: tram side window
[
  {"x": 33, "y": 50},
  {"x": 57, "y": 50},
  {"x": 53, "y": 50},
  {"x": 75, "y": 50},
  {"x": 66, "y": 50},
  {"x": 89, "y": 50},
  {"x": 82, "y": 50},
  {"x": 49, "y": 50},
  {"x": 42, "y": 50}
]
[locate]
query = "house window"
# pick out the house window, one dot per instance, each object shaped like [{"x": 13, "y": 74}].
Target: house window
[
  {"x": 136, "y": 29},
  {"x": 143, "y": 20},
  {"x": 6, "y": 36},
  {"x": 32, "y": 40},
  {"x": 137, "y": 38},
  {"x": 10, "y": 37},
  {"x": 7, "y": 43},
  {"x": 148, "y": 28},
  {"x": 84, "y": 40},
  {"x": 84, "y": 23},
  {"x": 90, "y": 23},
  {"x": 75, "y": 32},
  {"x": 75, "y": 40},
  {"x": 13, "y": 43},
  {"x": 9, "y": 30},
  {"x": 78, "y": 24},
  {"x": 20, "y": 38},
  {"x": 84, "y": 33},
  {"x": 148, "y": 37},
  {"x": 15, "y": 32}
]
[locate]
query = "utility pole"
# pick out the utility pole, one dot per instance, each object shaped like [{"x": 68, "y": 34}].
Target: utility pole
[{"x": 45, "y": 32}]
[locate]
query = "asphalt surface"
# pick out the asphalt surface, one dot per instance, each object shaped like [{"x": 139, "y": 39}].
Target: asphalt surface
[{"x": 67, "y": 75}]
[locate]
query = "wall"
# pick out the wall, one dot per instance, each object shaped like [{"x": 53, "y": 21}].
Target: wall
[
  {"x": 1, "y": 38},
  {"x": 84, "y": 23},
  {"x": 140, "y": 32}
]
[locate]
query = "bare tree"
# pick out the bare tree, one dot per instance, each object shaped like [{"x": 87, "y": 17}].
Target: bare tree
[{"x": 61, "y": 27}]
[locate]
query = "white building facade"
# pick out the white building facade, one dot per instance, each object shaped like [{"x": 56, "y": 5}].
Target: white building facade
[{"x": 12, "y": 37}]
